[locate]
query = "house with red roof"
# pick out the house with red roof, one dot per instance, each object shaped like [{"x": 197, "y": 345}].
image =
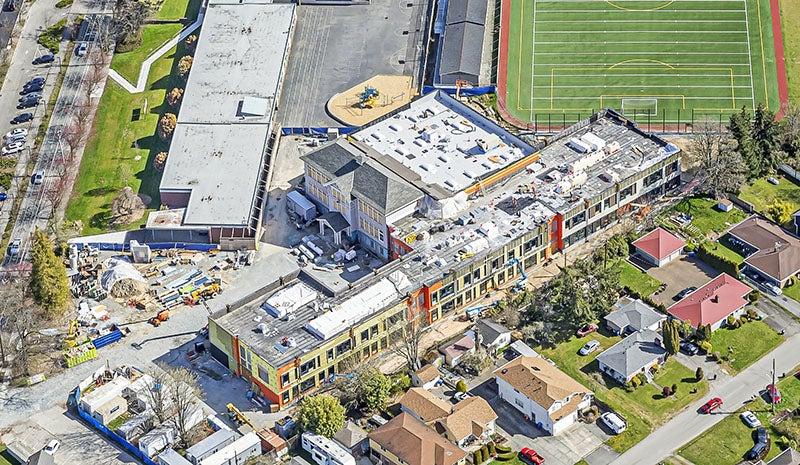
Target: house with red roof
[
  {"x": 659, "y": 247},
  {"x": 712, "y": 303}
]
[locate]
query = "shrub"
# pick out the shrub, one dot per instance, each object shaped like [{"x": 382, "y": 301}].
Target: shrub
[
  {"x": 174, "y": 96},
  {"x": 634, "y": 382},
  {"x": 751, "y": 313},
  {"x": 699, "y": 374},
  {"x": 724, "y": 264},
  {"x": 790, "y": 281},
  {"x": 731, "y": 320},
  {"x": 705, "y": 346},
  {"x": 50, "y": 38},
  {"x": 476, "y": 457},
  {"x": 461, "y": 386},
  {"x": 666, "y": 391},
  {"x": 185, "y": 64},
  {"x": 502, "y": 448},
  {"x": 492, "y": 449},
  {"x": 753, "y": 296},
  {"x": 506, "y": 456},
  {"x": 166, "y": 126},
  {"x": 742, "y": 321}
]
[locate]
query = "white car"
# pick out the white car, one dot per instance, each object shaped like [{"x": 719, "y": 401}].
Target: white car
[
  {"x": 614, "y": 422},
  {"x": 750, "y": 419},
  {"x": 51, "y": 447},
  {"x": 16, "y": 138},
  {"x": 459, "y": 396},
  {"x": 12, "y": 148},
  {"x": 13, "y": 248},
  {"x": 589, "y": 347},
  {"x": 16, "y": 133}
]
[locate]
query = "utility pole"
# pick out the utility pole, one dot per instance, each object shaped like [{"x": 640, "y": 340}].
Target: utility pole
[{"x": 774, "y": 386}]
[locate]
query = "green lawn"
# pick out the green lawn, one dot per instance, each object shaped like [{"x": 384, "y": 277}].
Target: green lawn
[
  {"x": 721, "y": 250},
  {"x": 750, "y": 342},
  {"x": 727, "y": 441},
  {"x": 706, "y": 218},
  {"x": 566, "y": 59},
  {"x": 5, "y": 458},
  {"x": 761, "y": 193},
  {"x": 792, "y": 291},
  {"x": 178, "y": 9},
  {"x": 635, "y": 279},
  {"x": 121, "y": 151},
  {"x": 790, "y": 26},
  {"x": 644, "y": 408},
  {"x": 515, "y": 461},
  {"x": 153, "y": 36}
]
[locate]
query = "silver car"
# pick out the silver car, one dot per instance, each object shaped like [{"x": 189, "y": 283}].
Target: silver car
[{"x": 589, "y": 347}]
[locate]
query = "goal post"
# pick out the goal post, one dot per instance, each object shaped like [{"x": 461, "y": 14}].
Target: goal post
[{"x": 639, "y": 106}]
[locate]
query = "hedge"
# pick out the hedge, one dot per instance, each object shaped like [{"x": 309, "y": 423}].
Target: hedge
[
  {"x": 723, "y": 264},
  {"x": 506, "y": 456},
  {"x": 502, "y": 448}
]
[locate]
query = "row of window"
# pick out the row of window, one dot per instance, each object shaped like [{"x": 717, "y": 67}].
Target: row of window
[{"x": 371, "y": 229}]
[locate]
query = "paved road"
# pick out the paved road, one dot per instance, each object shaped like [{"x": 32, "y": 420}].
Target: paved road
[
  {"x": 40, "y": 13},
  {"x": 734, "y": 392}
]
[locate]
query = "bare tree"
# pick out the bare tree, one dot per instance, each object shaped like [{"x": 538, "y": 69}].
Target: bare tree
[
  {"x": 721, "y": 168},
  {"x": 408, "y": 338},
  {"x": 157, "y": 394},
  {"x": 95, "y": 77},
  {"x": 24, "y": 325},
  {"x": 11, "y": 302},
  {"x": 126, "y": 24},
  {"x": 184, "y": 395}
]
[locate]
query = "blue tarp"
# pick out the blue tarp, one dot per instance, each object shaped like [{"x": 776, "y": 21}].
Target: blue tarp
[
  {"x": 114, "y": 437},
  {"x": 451, "y": 90},
  {"x": 108, "y": 339},
  {"x": 441, "y": 18}
]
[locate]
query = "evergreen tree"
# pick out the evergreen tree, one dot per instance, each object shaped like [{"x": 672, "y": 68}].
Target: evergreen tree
[
  {"x": 49, "y": 283},
  {"x": 322, "y": 414},
  {"x": 672, "y": 339}
]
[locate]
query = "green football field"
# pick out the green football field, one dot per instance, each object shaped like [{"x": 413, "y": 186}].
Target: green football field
[{"x": 671, "y": 59}]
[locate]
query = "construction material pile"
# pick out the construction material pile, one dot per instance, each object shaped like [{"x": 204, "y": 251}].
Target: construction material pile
[{"x": 121, "y": 279}]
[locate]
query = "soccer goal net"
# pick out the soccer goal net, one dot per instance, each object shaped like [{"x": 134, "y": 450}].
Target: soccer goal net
[{"x": 639, "y": 106}]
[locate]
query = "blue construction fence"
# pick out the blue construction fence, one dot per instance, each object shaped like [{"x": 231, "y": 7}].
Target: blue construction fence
[
  {"x": 116, "y": 247},
  {"x": 317, "y": 131},
  {"x": 75, "y": 397}
]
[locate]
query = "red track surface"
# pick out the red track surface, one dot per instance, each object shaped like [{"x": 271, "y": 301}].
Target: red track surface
[
  {"x": 502, "y": 64},
  {"x": 780, "y": 60}
]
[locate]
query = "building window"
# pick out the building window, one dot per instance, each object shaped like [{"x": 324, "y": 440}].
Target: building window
[
  {"x": 244, "y": 357},
  {"x": 285, "y": 397},
  {"x": 448, "y": 290},
  {"x": 343, "y": 347},
  {"x": 609, "y": 201},
  {"x": 308, "y": 366},
  {"x": 365, "y": 335},
  {"x": 627, "y": 192},
  {"x": 329, "y": 353},
  {"x": 263, "y": 374},
  {"x": 284, "y": 379}
]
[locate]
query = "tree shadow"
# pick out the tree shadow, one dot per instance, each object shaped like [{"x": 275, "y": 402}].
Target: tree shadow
[{"x": 99, "y": 191}]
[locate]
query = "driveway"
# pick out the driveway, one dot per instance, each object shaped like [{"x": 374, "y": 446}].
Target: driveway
[
  {"x": 567, "y": 448},
  {"x": 776, "y": 315},
  {"x": 678, "y": 275}
]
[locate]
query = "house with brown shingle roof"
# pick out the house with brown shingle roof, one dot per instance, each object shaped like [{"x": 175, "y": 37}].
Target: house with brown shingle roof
[
  {"x": 547, "y": 396},
  {"x": 426, "y": 377},
  {"x": 473, "y": 419},
  {"x": 424, "y": 405},
  {"x": 771, "y": 252},
  {"x": 404, "y": 440}
]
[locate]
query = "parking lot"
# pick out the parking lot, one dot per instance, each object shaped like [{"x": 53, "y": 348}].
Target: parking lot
[
  {"x": 336, "y": 47},
  {"x": 678, "y": 275}
]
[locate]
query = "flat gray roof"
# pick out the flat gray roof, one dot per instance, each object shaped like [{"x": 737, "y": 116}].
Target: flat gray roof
[
  {"x": 220, "y": 164},
  {"x": 217, "y": 150},
  {"x": 239, "y": 59}
]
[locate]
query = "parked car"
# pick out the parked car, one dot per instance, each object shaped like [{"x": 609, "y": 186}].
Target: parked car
[
  {"x": 16, "y": 138},
  {"x": 773, "y": 393},
  {"x": 22, "y": 118},
  {"x": 614, "y": 422},
  {"x": 759, "y": 450},
  {"x": 689, "y": 348},
  {"x": 13, "y": 251},
  {"x": 12, "y": 148},
  {"x": 589, "y": 347},
  {"x": 750, "y": 419},
  {"x": 32, "y": 88},
  {"x": 42, "y": 59},
  {"x": 31, "y": 96},
  {"x": 35, "y": 80},
  {"x": 29, "y": 103},
  {"x": 531, "y": 456},
  {"x": 51, "y": 446},
  {"x": 37, "y": 177},
  {"x": 772, "y": 289},
  {"x": 586, "y": 329},
  {"x": 3, "y": 196},
  {"x": 459, "y": 396},
  {"x": 16, "y": 132},
  {"x": 711, "y": 405},
  {"x": 773, "y": 180},
  {"x": 685, "y": 292},
  {"x": 8, "y": 5},
  {"x": 80, "y": 50},
  {"x": 761, "y": 434}
]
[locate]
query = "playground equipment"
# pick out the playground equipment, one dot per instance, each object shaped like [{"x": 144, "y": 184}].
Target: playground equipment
[{"x": 368, "y": 98}]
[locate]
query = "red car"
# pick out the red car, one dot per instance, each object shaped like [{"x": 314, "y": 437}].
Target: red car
[
  {"x": 711, "y": 405},
  {"x": 531, "y": 456},
  {"x": 774, "y": 394},
  {"x": 587, "y": 329}
]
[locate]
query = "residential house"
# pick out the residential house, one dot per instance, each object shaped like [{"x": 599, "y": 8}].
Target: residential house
[
  {"x": 106, "y": 402},
  {"x": 473, "y": 419},
  {"x": 659, "y": 247},
  {"x": 237, "y": 452},
  {"x": 424, "y": 405},
  {"x": 404, "y": 440},
  {"x": 787, "y": 457},
  {"x": 712, "y": 303},
  {"x": 171, "y": 457},
  {"x": 426, "y": 377},
  {"x": 631, "y": 315},
  {"x": 454, "y": 351},
  {"x": 41, "y": 458},
  {"x": 353, "y": 438},
  {"x": 770, "y": 251},
  {"x": 543, "y": 393},
  {"x": 637, "y": 353},
  {"x": 493, "y": 336}
]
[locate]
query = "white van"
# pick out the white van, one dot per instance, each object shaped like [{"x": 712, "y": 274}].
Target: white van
[{"x": 614, "y": 422}]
